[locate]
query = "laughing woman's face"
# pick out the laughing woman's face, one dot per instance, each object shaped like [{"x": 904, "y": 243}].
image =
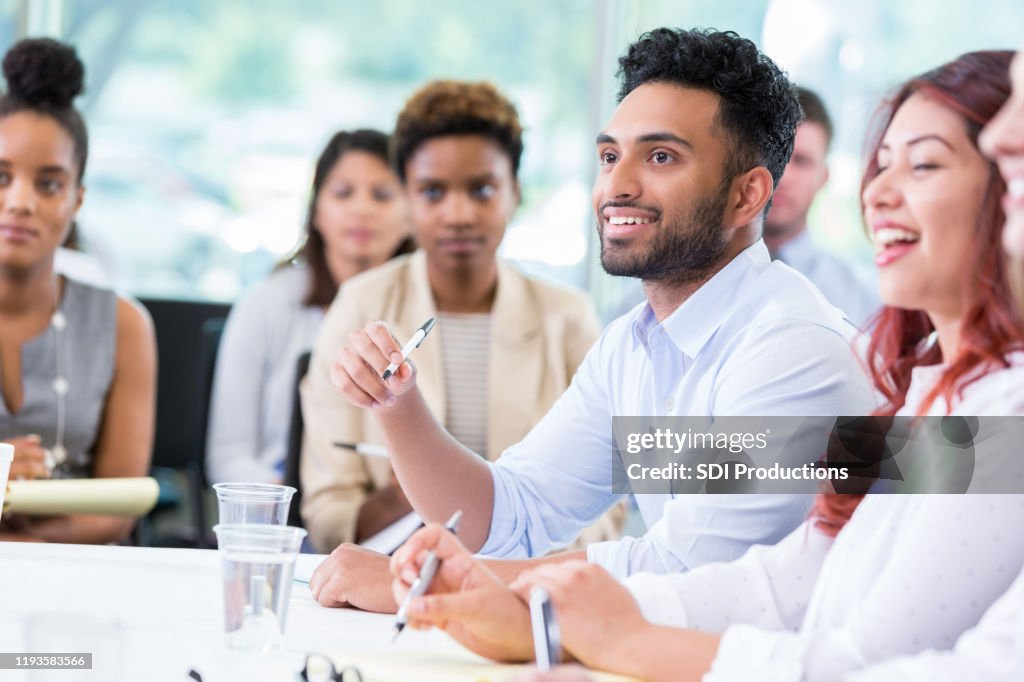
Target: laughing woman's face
[{"x": 922, "y": 207}]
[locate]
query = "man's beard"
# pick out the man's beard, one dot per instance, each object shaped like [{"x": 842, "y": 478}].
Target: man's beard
[{"x": 682, "y": 251}]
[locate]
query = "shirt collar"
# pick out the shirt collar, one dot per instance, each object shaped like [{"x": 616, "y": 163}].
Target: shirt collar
[{"x": 693, "y": 323}]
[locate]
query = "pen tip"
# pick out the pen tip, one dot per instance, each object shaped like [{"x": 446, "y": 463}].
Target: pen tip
[
  {"x": 398, "y": 630},
  {"x": 387, "y": 373}
]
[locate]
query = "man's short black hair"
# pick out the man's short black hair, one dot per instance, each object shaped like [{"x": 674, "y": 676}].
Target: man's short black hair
[
  {"x": 758, "y": 108},
  {"x": 815, "y": 111}
]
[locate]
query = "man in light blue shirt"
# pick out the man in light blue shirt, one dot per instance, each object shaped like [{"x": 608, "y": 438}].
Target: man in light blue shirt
[
  {"x": 755, "y": 339},
  {"x": 849, "y": 288},
  {"x": 688, "y": 164}
]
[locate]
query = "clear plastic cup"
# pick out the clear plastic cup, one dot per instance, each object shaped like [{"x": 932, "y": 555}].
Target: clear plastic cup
[
  {"x": 6, "y": 457},
  {"x": 253, "y": 502},
  {"x": 257, "y": 566}
]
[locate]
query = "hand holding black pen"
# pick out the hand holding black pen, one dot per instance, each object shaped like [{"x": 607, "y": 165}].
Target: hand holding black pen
[
  {"x": 423, "y": 580},
  {"x": 466, "y": 598},
  {"x": 411, "y": 345},
  {"x": 371, "y": 370}
]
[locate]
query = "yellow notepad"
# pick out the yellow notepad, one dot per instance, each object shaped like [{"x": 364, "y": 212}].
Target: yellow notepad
[{"x": 119, "y": 496}]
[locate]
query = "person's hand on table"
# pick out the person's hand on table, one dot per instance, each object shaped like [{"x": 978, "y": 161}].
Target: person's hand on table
[
  {"x": 353, "y": 576},
  {"x": 466, "y": 599},
  {"x": 359, "y": 365},
  {"x": 29, "y": 458},
  {"x": 563, "y": 673},
  {"x": 596, "y": 614}
]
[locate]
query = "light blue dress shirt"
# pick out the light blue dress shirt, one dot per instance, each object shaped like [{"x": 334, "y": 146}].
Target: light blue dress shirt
[{"x": 757, "y": 339}]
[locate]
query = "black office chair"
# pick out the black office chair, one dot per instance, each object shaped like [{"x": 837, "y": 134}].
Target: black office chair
[
  {"x": 294, "y": 453},
  {"x": 187, "y": 335},
  {"x": 212, "y": 330}
]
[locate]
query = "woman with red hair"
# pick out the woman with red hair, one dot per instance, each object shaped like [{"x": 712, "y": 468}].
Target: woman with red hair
[
  {"x": 993, "y": 651},
  {"x": 949, "y": 319},
  {"x": 907, "y": 572}
]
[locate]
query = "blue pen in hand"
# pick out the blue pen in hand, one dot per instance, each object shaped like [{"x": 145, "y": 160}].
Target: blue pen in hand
[{"x": 422, "y": 582}]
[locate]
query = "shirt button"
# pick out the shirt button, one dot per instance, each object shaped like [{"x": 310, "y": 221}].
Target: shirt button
[{"x": 669, "y": 404}]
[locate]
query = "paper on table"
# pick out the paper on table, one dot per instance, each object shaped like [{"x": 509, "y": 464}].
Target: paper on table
[
  {"x": 395, "y": 535},
  {"x": 118, "y": 496},
  {"x": 431, "y": 666}
]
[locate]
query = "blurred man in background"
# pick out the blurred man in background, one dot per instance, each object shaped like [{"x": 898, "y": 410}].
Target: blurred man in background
[{"x": 785, "y": 226}]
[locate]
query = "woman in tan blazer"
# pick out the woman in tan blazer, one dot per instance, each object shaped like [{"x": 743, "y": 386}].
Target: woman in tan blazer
[{"x": 506, "y": 345}]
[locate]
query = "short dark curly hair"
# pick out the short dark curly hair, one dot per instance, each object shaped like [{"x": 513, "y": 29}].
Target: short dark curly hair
[
  {"x": 447, "y": 107},
  {"x": 758, "y": 107}
]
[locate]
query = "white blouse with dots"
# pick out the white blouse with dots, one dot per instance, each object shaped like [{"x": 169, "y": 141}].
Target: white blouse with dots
[
  {"x": 993, "y": 651},
  {"x": 908, "y": 573}
]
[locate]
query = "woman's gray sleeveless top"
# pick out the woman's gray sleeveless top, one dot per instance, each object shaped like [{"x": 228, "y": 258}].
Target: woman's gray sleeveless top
[{"x": 86, "y": 348}]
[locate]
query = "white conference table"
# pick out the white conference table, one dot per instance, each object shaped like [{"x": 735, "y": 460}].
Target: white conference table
[{"x": 155, "y": 613}]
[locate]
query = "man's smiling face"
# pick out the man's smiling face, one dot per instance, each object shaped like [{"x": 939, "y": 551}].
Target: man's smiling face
[{"x": 660, "y": 197}]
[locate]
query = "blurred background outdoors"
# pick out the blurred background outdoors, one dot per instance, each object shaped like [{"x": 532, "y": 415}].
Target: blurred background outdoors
[{"x": 206, "y": 117}]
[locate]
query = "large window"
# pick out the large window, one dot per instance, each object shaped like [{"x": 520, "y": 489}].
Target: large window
[{"x": 206, "y": 117}]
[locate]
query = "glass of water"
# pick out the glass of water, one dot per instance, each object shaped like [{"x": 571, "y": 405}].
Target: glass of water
[
  {"x": 253, "y": 502},
  {"x": 257, "y": 564}
]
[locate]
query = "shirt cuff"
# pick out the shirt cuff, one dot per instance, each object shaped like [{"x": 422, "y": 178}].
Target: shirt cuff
[
  {"x": 503, "y": 538},
  {"x": 628, "y": 555},
  {"x": 895, "y": 670},
  {"x": 608, "y": 555},
  {"x": 749, "y": 653},
  {"x": 658, "y": 601}
]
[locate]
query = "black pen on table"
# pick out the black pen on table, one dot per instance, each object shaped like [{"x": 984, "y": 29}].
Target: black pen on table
[
  {"x": 409, "y": 347},
  {"x": 423, "y": 580}
]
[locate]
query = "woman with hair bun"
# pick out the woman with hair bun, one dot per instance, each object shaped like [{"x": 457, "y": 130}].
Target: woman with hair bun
[{"x": 77, "y": 363}]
